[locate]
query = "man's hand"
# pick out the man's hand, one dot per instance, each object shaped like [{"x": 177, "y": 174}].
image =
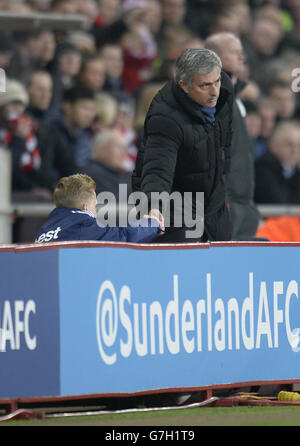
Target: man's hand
[{"x": 155, "y": 213}]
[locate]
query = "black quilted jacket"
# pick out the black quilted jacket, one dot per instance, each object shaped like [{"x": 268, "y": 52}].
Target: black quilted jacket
[{"x": 181, "y": 150}]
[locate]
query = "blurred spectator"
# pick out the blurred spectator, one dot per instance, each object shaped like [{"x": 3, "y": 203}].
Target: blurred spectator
[
  {"x": 253, "y": 119},
  {"x": 232, "y": 16},
  {"x": 39, "y": 89},
  {"x": 251, "y": 92},
  {"x": 174, "y": 41},
  {"x": 112, "y": 56},
  {"x": 240, "y": 178},
  {"x": 173, "y": 12},
  {"x": 19, "y": 6},
  {"x": 106, "y": 166},
  {"x": 241, "y": 9},
  {"x": 145, "y": 97},
  {"x": 108, "y": 12},
  {"x": 165, "y": 70},
  {"x": 83, "y": 41},
  {"x": 64, "y": 71},
  {"x": 269, "y": 12},
  {"x": 261, "y": 47},
  {"x": 124, "y": 122},
  {"x": 92, "y": 73},
  {"x": 40, "y": 5},
  {"x": 47, "y": 49},
  {"x": 194, "y": 42},
  {"x": 28, "y": 49},
  {"x": 277, "y": 171},
  {"x": 140, "y": 48},
  {"x": 64, "y": 6},
  {"x": 74, "y": 125},
  {"x": 280, "y": 68},
  {"x": 199, "y": 14},
  {"x": 19, "y": 134},
  {"x": 154, "y": 16},
  {"x": 283, "y": 100},
  {"x": 293, "y": 7},
  {"x": 38, "y": 157},
  {"x": 173, "y": 30},
  {"x": 109, "y": 25},
  {"x": 89, "y": 8},
  {"x": 6, "y": 50},
  {"x": 124, "y": 20},
  {"x": 106, "y": 109},
  {"x": 224, "y": 20},
  {"x": 268, "y": 122},
  {"x": 290, "y": 15}
]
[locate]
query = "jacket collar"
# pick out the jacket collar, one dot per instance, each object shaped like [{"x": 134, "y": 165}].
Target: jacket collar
[{"x": 191, "y": 107}]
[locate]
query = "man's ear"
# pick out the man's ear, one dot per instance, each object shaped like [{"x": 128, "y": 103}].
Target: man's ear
[
  {"x": 84, "y": 207},
  {"x": 184, "y": 86}
]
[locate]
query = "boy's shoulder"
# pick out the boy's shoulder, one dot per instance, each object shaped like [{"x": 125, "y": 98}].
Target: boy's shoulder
[{"x": 63, "y": 221}]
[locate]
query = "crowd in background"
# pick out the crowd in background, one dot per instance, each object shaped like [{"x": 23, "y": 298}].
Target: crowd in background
[{"x": 76, "y": 100}]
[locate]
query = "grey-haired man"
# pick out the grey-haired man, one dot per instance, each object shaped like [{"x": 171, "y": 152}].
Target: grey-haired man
[{"x": 186, "y": 145}]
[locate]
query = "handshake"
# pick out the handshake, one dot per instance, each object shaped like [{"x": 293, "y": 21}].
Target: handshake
[{"x": 157, "y": 215}]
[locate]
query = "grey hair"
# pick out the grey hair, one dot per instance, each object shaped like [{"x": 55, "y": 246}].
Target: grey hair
[
  {"x": 282, "y": 128},
  {"x": 195, "y": 60},
  {"x": 100, "y": 139}
]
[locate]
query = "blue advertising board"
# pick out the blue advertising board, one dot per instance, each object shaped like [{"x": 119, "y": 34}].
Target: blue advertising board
[
  {"x": 113, "y": 319},
  {"x": 29, "y": 324}
]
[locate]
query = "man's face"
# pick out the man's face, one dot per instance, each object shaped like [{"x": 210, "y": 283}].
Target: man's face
[
  {"x": 83, "y": 112},
  {"x": 48, "y": 44},
  {"x": 34, "y": 47},
  {"x": 117, "y": 152},
  {"x": 112, "y": 153},
  {"x": 284, "y": 101},
  {"x": 109, "y": 10},
  {"x": 69, "y": 63},
  {"x": 232, "y": 56},
  {"x": 287, "y": 147},
  {"x": 268, "y": 116},
  {"x": 13, "y": 110},
  {"x": 40, "y": 91},
  {"x": 205, "y": 89},
  {"x": 113, "y": 58},
  {"x": 153, "y": 15},
  {"x": 173, "y": 11},
  {"x": 266, "y": 37},
  {"x": 94, "y": 75}
]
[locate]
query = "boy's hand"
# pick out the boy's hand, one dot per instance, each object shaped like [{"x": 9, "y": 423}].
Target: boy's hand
[{"x": 155, "y": 213}]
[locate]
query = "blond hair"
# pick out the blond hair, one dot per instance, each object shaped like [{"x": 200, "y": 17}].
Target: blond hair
[
  {"x": 74, "y": 191},
  {"x": 106, "y": 109}
]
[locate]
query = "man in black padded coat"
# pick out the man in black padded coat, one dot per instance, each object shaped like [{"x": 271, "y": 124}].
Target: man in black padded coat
[{"x": 186, "y": 144}]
